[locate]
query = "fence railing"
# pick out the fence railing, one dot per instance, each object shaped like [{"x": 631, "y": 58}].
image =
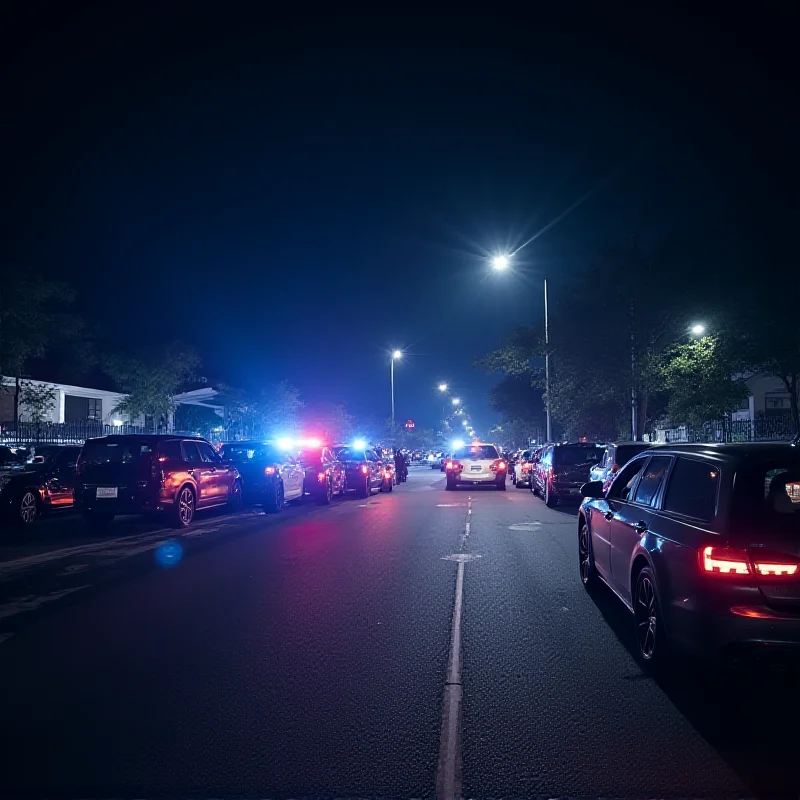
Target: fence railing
[
  {"x": 764, "y": 429},
  {"x": 63, "y": 432}
]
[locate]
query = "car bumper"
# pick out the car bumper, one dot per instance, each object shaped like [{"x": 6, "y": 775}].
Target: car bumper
[
  {"x": 475, "y": 479},
  {"x": 567, "y": 493},
  {"x": 129, "y": 500},
  {"x": 736, "y": 619}
]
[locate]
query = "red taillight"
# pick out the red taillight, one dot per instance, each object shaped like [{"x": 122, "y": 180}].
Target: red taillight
[
  {"x": 498, "y": 466},
  {"x": 724, "y": 561},
  {"x": 365, "y": 469},
  {"x": 269, "y": 470},
  {"x": 775, "y": 568},
  {"x": 387, "y": 474},
  {"x": 449, "y": 465},
  {"x": 321, "y": 476}
]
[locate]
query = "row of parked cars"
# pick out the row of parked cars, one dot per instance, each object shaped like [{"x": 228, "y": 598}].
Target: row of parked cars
[
  {"x": 178, "y": 475},
  {"x": 701, "y": 542}
]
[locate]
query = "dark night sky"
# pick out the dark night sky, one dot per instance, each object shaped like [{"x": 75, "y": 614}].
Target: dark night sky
[{"x": 295, "y": 195}]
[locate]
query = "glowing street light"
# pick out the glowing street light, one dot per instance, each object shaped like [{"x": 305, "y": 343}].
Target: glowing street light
[
  {"x": 396, "y": 356},
  {"x": 698, "y": 329},
  {"x": 456, "y": 401},
  {"x": 442, "y": 387},
  {"x": 500, "y": 263}
]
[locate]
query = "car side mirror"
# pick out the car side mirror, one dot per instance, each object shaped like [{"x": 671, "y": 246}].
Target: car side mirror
[{"x": 593, "y": 490}]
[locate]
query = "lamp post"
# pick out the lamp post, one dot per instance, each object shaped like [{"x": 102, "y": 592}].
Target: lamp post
[
  {"x": 500, "y": 263},
  {"x": 396, "y": 356}
]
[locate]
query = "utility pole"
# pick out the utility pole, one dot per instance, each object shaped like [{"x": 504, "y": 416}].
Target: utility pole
[
  {"x": 547, "y": 365},
  {"x": 634, "y": 421}
]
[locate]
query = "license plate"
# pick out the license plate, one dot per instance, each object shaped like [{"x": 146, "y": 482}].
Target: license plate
[
  {"x": 476, "y": 467},
  {"x": 106, "y": 491}
]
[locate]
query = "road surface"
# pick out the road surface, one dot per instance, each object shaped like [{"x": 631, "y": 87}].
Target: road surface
[{"x": 311, "y": 654}]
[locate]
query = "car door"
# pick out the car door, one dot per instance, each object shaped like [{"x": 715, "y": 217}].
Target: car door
[
  {"x": 218, "y": 472},
  {"x": 204, "y": 478},
  {"x": 61, "y": 480},
  {"x": 602, "y": 516},
  {"x": 375, "y": 466},
  {"x": 631, "y": 520},
  {"x": 292, "y": 473}
]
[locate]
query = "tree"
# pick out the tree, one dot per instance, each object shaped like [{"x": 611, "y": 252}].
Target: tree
[
  {"x": 705, "y": 380},
  {"x": 34, "y": 315},
  {"x": 329, "y": 421},
  {"x": 38, "y": 398},
  {"x": 151, "y": 382},
  {"x": 280, "y": 407},
  {"x": 197, "y": 418},
  {"x": 271, "y": 412}
]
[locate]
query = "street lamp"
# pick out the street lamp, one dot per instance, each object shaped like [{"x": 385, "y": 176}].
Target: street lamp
[
  {"x": 456, "y": 401},
  {"x": 396, "y": 356},
  {"x": 500, "y": 263},
  {"x": 698, "y": 329},
  {"x": 442, "y": 387}
]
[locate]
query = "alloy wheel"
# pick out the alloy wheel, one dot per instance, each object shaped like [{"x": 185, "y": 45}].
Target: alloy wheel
[
  {"x": 646, "y": 617},
  {"x": 583, "y": 554},
  {"x": 186, "y": 506},
  {"x": 27, "y": 508}
]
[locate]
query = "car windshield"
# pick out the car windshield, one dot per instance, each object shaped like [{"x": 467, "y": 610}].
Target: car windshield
[
  {"x": 247, "y": 452},
  {"x": 573, "y": 456},
  {"x": 476, "y": 452}
]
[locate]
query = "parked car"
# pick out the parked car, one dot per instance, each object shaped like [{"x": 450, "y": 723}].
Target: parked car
[
  {"x": 28, "y": 491},
  {"x": 615, "y": 455},
  {"x": 561, "y": 469},
  {"x": 270, "y": 475},
  {"x": 138, "y": 474},
  {"x": 523, "y": 465},
  {"x": 476, "y": 463},
  {"x": 365, "y": 471},
  {"x": 702, "y": 544},
  {"x": 325, "y": 475}
]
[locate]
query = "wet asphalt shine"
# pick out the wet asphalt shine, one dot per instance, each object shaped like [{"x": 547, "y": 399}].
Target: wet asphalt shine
[{"x": 419, "y": 643}]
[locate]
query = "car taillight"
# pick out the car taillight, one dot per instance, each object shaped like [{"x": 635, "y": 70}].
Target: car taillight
[
  {"x": 269, "y": 470},
  {"x": 321, "y": 477},
  {"x": 725, "y": 561},
  {"x": 364, "y": 468},
  {"x": 449, "y": 465},
  {"x": 553, "y": 476},
  {"x": 498, "y": 466},
  {"x": 156, "y": 468},
  {"x": 387, "y": 473}
]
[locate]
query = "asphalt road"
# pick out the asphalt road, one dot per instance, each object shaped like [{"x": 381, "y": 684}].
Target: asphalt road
[{"x": 306, "y": 654}]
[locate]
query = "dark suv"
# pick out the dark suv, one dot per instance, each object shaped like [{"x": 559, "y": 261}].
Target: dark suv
[
  {"x": 136, "y": 474},
  {"x": 559, "y": 471}
]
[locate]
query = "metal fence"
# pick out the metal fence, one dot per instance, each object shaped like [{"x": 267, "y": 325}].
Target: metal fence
[
  {"x": 63, "y": 432},
  {"x": 764, "y": 429}
]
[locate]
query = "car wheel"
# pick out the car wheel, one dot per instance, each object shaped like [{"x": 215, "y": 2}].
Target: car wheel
[
  {"x": 365, "y": 490},
  {"x": 302, "y": 497},
  {"x": 501, "y": 485},
  {"x": 585, "y": 561},
  {"x": 235, "y": 498},
  {"x": 183, "y": 508},
  {"x": 650, "y": 639},
  {"x": 549, "y": 500},
  {"x": 27, "y": 510},
  {"x": 326, "y": 497},
  {"x": 519, "y": 484},
  {"x": 450, "y": 485},
  {"x": 97, "y": 522},
  {"x": 387, "y": 485},
  {"x": 273, "y": 503}
]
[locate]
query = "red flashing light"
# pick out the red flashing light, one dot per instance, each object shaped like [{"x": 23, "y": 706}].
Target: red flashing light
[
  {"x": 269, "y": 470},
  {"x": 321, "y": 476},
  {"x": 364, "y": 469}
]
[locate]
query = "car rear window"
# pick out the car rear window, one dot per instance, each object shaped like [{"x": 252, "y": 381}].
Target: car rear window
[
  {"x": 767, "y": 496},
  {"x": 572, "y": 456},
  {"x": 246, "y": 452},
  {"x": 476, "y": 452},
  {"x": 104, "y": 451}
]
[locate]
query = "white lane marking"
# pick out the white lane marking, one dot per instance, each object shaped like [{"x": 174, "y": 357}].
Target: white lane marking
[
  {"x": 450, "y": 505},
  {"x": 30, "y": 603},
  {"x": 524, "y": 526},
  {"x": 462, "y": 558}
]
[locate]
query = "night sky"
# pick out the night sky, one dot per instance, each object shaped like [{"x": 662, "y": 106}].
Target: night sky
[{"x": 296, "y": 195}]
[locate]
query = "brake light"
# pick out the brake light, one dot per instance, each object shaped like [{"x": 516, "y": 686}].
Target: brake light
[
  {"x": 725, "y": 561},
  {"x": 387, "y": 474},
  {"x": 449, "y": 465},
  {"x": 321, "y": 476},
  {"x": 775, "y": 569},
  {"x": 498, "y": 466},
  {"x": 269, "y": 470},
  {"x": 364, "y": 468}
]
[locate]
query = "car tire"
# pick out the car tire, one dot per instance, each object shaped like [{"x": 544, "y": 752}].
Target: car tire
[
  {"x": 586, "y": 568},
  {"x": 302, "y": 497},
  {"x": 235, "y": 497},
  {"x": 651, "y": 643},
  {"x": 27, "y": 509},
  {"x": 501, "y": 486},
  {"x": 365, "y": 490},
  {"x": 387, "y": 485},
  {"x": 183, "y": 508},
  {"x": 97, "y": 522},
  {"x": 273, "y": 501},
  {"x": 519, "y": 484},
  {"x": 549, "y": 500},
  {"x": 450, "y": 486},
  {"x": 327, "y": 496}
]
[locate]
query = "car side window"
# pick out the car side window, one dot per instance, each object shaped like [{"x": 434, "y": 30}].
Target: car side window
[
  {"x": 170, "y": 450},
  {"x": 371, "y": 455},
  {"x": 208, "y": 454},
  {"x": 652, "y": 478},
  {"x": 692, "y": 489},
  {"x": 190, "y": 453},
  {"x": 625, "y": 480}
]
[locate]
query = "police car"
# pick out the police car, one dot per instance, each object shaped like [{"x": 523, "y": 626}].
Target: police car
[{"x": 475, "y": 464}]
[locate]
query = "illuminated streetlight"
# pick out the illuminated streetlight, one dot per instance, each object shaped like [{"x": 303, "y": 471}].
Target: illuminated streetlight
[
  {"x": 396, "y": 356},
  {"x": 442, "y": 387},
  {"x": 698, "y": 329},
  {"x": 456, "y": 401},
  {"x": 500, "y": 263}
]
